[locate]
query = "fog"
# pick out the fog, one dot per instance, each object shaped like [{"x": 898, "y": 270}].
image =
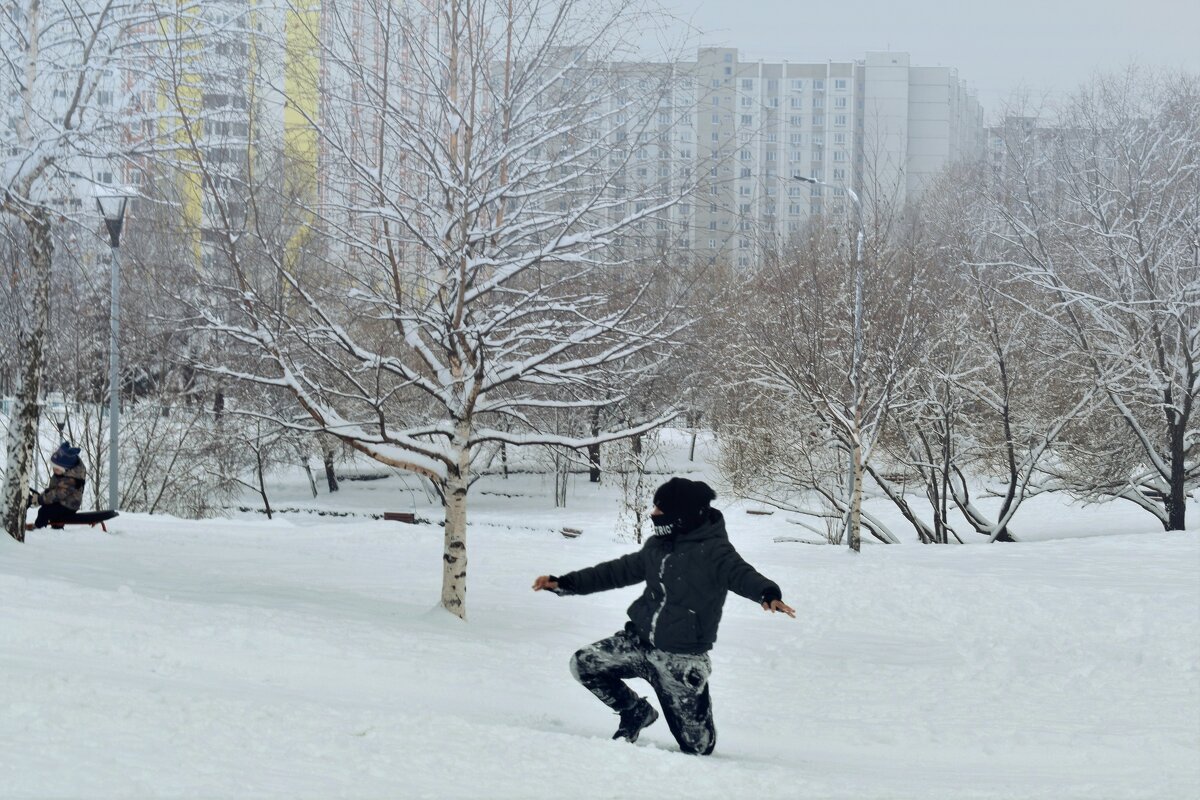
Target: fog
[{"x": 1044, "y": 46}]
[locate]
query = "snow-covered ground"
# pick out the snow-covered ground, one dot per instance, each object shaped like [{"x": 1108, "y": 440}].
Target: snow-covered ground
[{"x": 303, "y": 658}]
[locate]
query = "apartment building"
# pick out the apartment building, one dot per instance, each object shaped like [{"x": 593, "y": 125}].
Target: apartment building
[{"x": 877, "y": 125}]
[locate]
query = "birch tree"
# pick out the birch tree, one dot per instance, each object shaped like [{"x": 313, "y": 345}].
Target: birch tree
[
  {"x": 474, "y": 182},
  {"x": 58, "y": 97}
]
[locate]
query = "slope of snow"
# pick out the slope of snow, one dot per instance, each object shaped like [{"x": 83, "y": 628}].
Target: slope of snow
[{"x": 302, "y": 658}]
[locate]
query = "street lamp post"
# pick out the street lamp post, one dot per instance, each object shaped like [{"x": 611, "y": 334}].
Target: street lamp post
[
  {"x": 112, "y": 206},
  {"x": 854, "y": 515}
]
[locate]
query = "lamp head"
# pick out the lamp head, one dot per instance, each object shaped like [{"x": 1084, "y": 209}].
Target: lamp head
[{"x": 112, "y": 202}]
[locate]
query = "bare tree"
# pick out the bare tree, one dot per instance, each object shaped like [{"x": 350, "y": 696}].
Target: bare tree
[
  {"x": 809, "y": 380},
  {"x": 1101, "y": 214},
  {"x": 482, "y": 149},
  {"x": 56, "y": 83}
]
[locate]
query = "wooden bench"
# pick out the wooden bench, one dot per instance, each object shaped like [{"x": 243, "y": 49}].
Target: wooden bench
[
  {"x": 571, "y": 533},
  {"x": 400, "y": 516},
  {"x": 759, "y": 512},
  {"x": 89, "y": 518}
]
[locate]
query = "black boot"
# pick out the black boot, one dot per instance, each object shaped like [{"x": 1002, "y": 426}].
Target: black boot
[{"x": 640, "y": 715}]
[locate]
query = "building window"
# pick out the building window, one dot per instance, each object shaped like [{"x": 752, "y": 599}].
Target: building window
[
  {"x": 839, "y": 155},
  {"x": 840, "y": 83},
  {"x": 716, "y": 137},
  {"x": 818, "y": 120},
  {"x": 744, "y": 208},
  {"x": 797, "y": 102},
  {"x": 797, "y": 86},
  {"x": 729, "y": 58},
  {"x": 797, "y": 156},
  {"x": 747, "y": 101},
  {"x": 716, "y": 101},
  {"x": 839, "y": 138},
  {"x": 839, "y": 174},
  {"x": 819, "y": 85},
  {"x": 772, "y": 138},
  {"x": 747, "y": 119},
  {"x": 744, "y": 155},
  {"x": 716, "y": 84},
  {"x": 818, "y": 102},
  {"x": 774, "y": 102},
  {"x": 716, "y": 119},
  {"x": 712, "y": 225},
  {"x": 748, "y": 84},
  {"x": 840, "y": 102},
  {"x": 772, "y": 85},
  {"x": 729, "y": 70},
  {"x": 839, "y": 119},
  {"x": 771, "y": 155},
  {"x": 796, "y": 121}
]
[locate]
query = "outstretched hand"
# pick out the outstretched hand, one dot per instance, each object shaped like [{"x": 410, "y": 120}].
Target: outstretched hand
[
  {"x": 544, "y": 582},
  {"x": 779, "y": 605}
]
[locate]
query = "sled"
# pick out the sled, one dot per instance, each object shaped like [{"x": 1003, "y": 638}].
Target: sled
[{"x": 89, "y": 518}]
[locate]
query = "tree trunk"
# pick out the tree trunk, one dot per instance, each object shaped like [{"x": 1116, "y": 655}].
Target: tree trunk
[
  {"x": 330, "y": 475},
  {"x": 856, "y": 498},
  {"x": 312, "y": 480},
  {"x": 454, "y": 552},
  {"x": 594, "y": 449},
  {"x": 23, "y": 424},
  {"x": 262, "y": 483},
  {"x": 1176, "y": 506}
]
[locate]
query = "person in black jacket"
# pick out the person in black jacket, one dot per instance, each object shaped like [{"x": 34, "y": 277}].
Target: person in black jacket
[{"x": 688, "y": 566}]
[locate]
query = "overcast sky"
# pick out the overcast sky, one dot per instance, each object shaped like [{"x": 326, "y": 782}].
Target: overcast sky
[{"x": 997, "y": 45}]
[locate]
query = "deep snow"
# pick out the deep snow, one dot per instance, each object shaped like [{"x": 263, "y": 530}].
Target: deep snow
[{"x": 302, "y": 658}]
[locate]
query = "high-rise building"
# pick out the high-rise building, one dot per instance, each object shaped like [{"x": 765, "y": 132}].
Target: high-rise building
[{"x": 878, "y": 125}]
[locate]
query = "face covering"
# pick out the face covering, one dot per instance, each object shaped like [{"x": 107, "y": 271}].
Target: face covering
[{"x": 672, "y": 525}]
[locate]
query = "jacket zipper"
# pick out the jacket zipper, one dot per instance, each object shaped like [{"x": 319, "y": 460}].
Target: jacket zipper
[{"x": 662, "y": 571}]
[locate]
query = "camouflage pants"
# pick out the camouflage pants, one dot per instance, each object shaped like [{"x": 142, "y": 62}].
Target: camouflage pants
[{"x": 680, "y": 680}]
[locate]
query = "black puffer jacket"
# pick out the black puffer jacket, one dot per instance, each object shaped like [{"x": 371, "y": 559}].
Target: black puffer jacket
[{"x": 687, "y": 577}]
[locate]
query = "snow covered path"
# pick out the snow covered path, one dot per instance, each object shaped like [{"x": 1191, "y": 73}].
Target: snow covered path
[{"x": 239, "y": 659}]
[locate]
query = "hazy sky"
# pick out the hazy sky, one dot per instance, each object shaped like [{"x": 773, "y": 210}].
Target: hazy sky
[{"x": 997, "y": 45}]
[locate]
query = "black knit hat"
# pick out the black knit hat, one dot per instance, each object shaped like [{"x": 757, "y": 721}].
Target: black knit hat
[{"x": 681, "y": 499}]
